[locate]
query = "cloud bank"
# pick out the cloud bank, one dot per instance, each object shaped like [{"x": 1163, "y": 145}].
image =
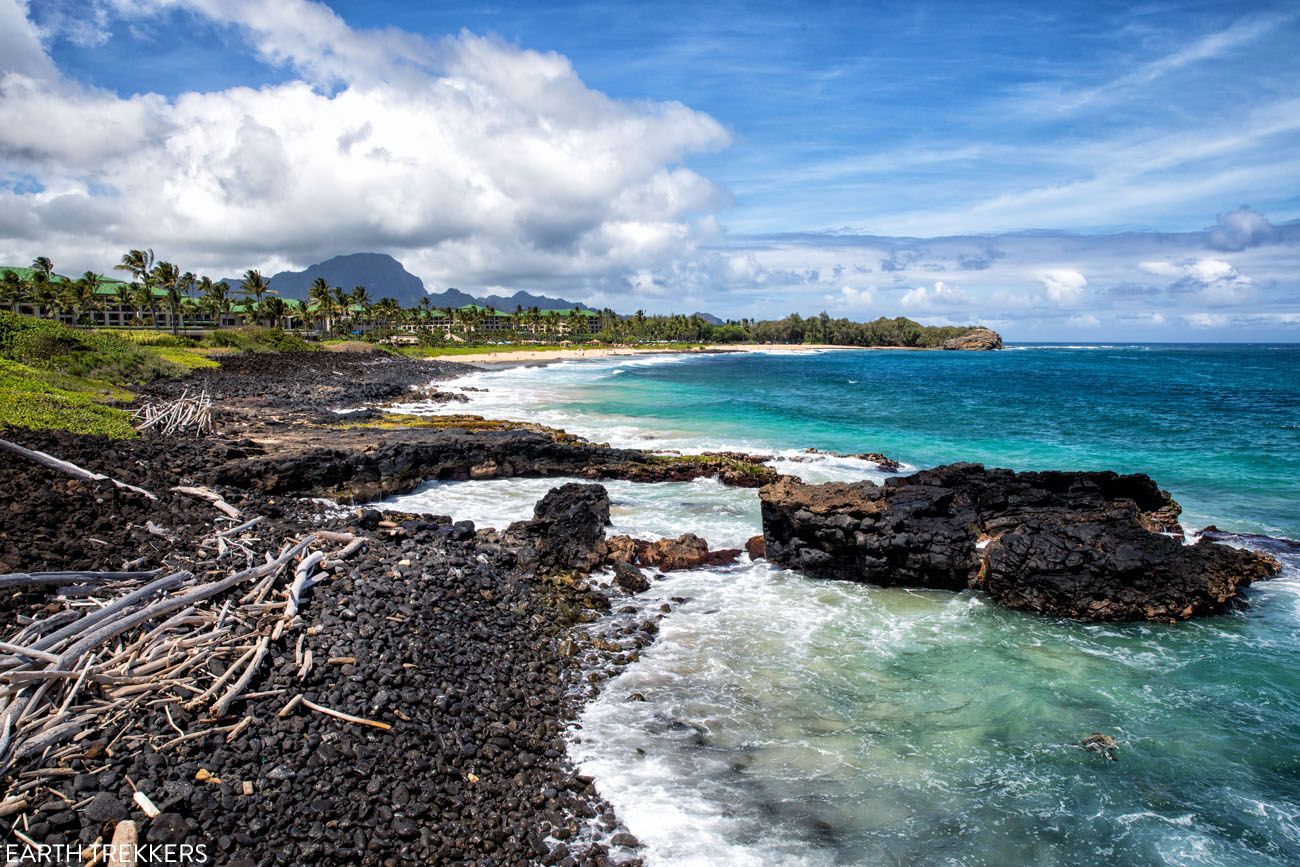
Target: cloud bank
[
  {"x": 489, "y": 166},
  {"x": 466, "y": 156}
]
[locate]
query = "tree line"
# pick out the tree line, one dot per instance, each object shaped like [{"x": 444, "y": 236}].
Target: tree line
[{"x": 157, "y": 285}]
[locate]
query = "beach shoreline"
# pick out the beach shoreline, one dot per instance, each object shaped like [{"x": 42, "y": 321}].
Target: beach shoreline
[{"x": 578, "y": 353}]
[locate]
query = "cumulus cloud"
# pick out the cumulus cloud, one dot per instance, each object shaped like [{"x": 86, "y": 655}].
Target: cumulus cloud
[
  {"x": 1213, "y": 281},
  {"x": 1239, "y": 229},
  {"x": 1064, "y": 287},
  {"x": 472, "y": 160},
  {"x": 940, "y": 296},
  {"x": 1084, "y": 320},
  {"x": 852, "y": 297}
]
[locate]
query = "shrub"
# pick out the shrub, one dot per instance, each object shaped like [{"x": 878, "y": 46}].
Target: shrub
[{"x": 257, "y": 339}]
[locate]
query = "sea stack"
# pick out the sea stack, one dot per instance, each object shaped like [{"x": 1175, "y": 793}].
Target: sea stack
[
  {"x": 976, "y": 338},
  {"x": 1087, "y": 545}
]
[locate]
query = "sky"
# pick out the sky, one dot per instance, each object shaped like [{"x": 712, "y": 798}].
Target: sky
[{"x": 1076, "y": 171}]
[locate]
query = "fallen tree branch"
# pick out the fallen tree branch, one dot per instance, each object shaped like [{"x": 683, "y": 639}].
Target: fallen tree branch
[
  {"x": 338, "y": 714},
  {"x": 69, "y": 468},
  {"x": 212, "y": 497}
]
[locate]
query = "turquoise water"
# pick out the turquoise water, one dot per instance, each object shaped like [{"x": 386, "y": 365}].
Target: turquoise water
[{"x": 795, "y": 721}]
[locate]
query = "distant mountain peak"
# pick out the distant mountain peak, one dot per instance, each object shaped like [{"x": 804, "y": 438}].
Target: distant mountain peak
[{"x": 386, "y": 277}]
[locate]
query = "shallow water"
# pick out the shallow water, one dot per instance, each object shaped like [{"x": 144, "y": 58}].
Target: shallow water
[{"x": 797, "y": 721}]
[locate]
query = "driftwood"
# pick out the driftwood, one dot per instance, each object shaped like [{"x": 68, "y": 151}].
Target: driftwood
[
  {"x": 28, "y": 579},
  {"x": 338, "y": 714},
  {"x": 69, "y": 468},
  {"x": 212, "y": 497},
  {"x": 146, "y": 640},
  {"x": 185, "y": 413},
  {"x": 122, "y": 851}
]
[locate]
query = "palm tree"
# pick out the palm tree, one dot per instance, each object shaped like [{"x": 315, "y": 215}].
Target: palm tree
[
  {"x": 167, "y": 277},
  {"x": 124, "y": 298},
  {"x": 86, "y": 293},
  {"x": 12, "y": 289},
  {"x": 43, "y": 265},
  {"x": 43, "y": 291},
  {"x": 320, "y": 293},
  {"x": 138, "y": 262},
  {"x": 142, "y": 297},
  {"x": 215, "y": 297},
  {"x": 254, "y": 286},
  {"x": 274, "y": 309}
]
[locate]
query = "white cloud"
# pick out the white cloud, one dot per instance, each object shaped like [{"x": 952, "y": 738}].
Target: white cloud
[
  {"x": 474, "y": 161},
  {"x": 939, "y": 297},
  {"x": 1208, "y": 320},
  {"x": 1064, "y": 287},
  {"x": 1084, "y": 320},
  {"x": 1213, "y": 281},
  {"x": 851, "y": 297},
  {"x": 1242, "y": 228}
]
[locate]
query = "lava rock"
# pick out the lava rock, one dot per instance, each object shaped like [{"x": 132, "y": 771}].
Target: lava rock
[{"x": 1094, "y": 546}]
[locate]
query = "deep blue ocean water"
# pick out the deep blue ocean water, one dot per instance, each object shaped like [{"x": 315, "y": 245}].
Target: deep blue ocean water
[{"x": 796, "y": 721}]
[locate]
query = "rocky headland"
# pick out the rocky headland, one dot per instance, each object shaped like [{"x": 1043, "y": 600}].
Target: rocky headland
[{"x": 1088, "y": 545}]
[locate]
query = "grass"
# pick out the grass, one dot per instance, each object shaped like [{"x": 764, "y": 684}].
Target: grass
[
  {"x": 56, "y": 377},
  {"x": 46, "y": 400}
]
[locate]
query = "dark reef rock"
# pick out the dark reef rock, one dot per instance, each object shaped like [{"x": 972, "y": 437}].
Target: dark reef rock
[
  {"x": 402, "y": 464},
  {"x": 1091, "y": 545},
  {"x": 567, "y": 531},
  {"x": 630, "y": 578},
  {"x": 976, "y": 338}
]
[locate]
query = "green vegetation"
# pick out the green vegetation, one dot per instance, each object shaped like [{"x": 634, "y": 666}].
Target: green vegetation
[
  {"x": 257, "y": 339},
  {"x": 161, "y": 294},
  {"x": 41, "y": 399},
  {"x": 49, "y": 345},
  {"x": 53, "y": 376}
]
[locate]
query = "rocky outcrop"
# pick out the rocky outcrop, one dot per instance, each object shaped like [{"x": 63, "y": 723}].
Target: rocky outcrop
[
  {"x": 687, "y": 551},
  {"x": 1099, "y": 546},
  {"x": 409, "y": 458},
  {"x": 976, "y": 338},
  {"x": 630, "y": 578},
  {"x": 754, "y": 548},
  {"x": 567, "y": 531}
]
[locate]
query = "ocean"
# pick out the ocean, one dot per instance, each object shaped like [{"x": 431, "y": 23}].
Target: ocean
[{"x": 796, "y": 721}]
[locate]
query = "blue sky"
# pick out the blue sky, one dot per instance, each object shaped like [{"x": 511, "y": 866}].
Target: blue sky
[{"x": 1053, "y": 171}]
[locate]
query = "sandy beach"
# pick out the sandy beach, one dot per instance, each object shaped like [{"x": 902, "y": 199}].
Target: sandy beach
[{"x": 549, "y": 355}]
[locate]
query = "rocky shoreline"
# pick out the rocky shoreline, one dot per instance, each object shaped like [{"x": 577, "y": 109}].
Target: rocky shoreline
[
  {"x": 461, "y": 640},
  {"x": 458, "y": 657}
]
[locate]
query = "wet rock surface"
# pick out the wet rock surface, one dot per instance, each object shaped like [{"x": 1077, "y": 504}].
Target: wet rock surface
[
  {"x": 446, "y": 633},
  {"x": 687, "y": 551},
  {"x": 1096, "y": 546}
]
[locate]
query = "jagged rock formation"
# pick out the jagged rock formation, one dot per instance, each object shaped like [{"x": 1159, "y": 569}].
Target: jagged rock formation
[
  {"x": 567, "y": 530},
  {"x": 402, "y": 464},
  {"x": 976, "y": 338},
  {"x": 1097, "y": 546}
]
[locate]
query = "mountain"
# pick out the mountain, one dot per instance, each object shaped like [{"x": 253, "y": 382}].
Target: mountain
[
  {"x": 385, "y": 277},
  {"x": 457, "y": 298},
  {"x": 707, "y": 317},
  {"x": 380, "y": 273}
]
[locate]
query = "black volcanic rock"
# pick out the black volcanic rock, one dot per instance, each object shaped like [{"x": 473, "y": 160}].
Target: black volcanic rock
[
  {"x": 567, "y": 530},
  {"x": 1096, "y": 546}
]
